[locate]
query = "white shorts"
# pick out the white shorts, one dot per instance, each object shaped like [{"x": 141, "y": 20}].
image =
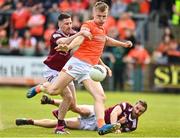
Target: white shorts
[
  {"x": 78, "y": 69},
  {"x": 88, "y": 123},
  {"x": 50, "y": 75}
]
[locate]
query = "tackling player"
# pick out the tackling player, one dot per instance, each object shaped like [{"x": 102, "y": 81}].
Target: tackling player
[{"x": 124, "y": 113}]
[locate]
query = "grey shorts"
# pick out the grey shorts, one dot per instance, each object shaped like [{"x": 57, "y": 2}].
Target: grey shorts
[
  {"x": 78, "y": 69},
  {"x": 88, "y": 123},
  {"x": 50, "y": 75}
]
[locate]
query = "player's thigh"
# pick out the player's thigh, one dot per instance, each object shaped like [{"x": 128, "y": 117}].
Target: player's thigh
[
  {"x": 72, "y": 123},
  {"x": 95, "y": 88},
  {"x": 62, "y": 80}
]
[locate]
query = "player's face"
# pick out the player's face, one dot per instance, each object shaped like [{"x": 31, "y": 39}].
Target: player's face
[
  {"x": 100, "y": 17},
  {"x": 66, "y": 25},
  {"x": 138, "y": 110}
]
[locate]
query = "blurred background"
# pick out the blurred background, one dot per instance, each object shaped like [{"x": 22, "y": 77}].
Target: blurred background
[{"x": 153, "y": 64}]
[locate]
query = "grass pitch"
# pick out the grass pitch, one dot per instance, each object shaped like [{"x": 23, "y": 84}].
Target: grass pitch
[{"x": 162, "y": 118}]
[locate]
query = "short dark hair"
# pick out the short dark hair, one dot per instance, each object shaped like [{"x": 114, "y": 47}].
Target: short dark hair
[
  {"x": 143, "y": 103},
  {"x": 63, "y": 16}
]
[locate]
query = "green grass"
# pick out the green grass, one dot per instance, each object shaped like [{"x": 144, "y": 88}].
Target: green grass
[{"x": 162, "y": 118}]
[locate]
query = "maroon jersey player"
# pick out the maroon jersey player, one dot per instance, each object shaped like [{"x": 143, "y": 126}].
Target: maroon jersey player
[
  {"x": 54, "y": 63},
  {"x": 126, "y": 114}
]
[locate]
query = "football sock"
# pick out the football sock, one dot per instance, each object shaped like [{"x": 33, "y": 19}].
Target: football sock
[
  {"x": 50, "y": 101},
  {"x": 39, "y": 88},
  {"x": 100, "y": 122},
  {"x": 61, "y": 123},
  {"x": 30, "y": 122}
]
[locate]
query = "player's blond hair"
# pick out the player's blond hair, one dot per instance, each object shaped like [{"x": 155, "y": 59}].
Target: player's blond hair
[{"x": 101, "y": 6}]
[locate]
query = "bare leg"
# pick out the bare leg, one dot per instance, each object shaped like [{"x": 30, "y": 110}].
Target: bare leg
[
  {"x": 97, "y": 92},
  {"x": 72, "y": 123},
  {"x": 59, "y": 84},
  {"x": 48, "y": 123},
  {"x": 76, "y": 108},
  {"x": 65, "y": 104}
]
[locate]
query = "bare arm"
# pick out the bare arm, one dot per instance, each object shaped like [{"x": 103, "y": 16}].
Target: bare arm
[
  {"x": 115, "y": 113},
  {"x": 76, "y": 42},
  {"x": 79, "y": 40},
  {"x": 112, "y": 42},
  {"x": 68, "y": 40},
  {"x": 107, "y": 68}
]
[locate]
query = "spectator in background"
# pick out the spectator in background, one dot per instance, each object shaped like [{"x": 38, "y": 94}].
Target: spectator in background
[
  {"x": 160, "y": 54},
  {"x": 15, "y": 44},
  {"x": 4, "y": 23},
  {"x": 53, "y": 14},
  {"x": 4, "y": 48},
  {"x": 133, "y": 7},
  {"x": 144, "y": 6},
  {"x": 130, "y": 35},
  {"x": 125, "y": 22},
  {"x": 20, "y": 18},
  {"x": 79, "y": 6},
  {"x": 76, "y": 22},
  {"x": 136, "y": 59},
  {"x": 28, "y": 44},
  {"x": 41, "y": 49},
  {"x": 127, "y": 1},
  {"x": 6, "y": 5},
  {"x": 173, "y": 52},
  {"x": 168, "y": 31},
  {"x": 118, "y": 65},
  {"x": 64, "y": 6},
  {"x": 36, "y": 23},
  {"x": 47, "y": 34},
  {"x": 110, "y": 22},
  {"x": 1, "y": 3},
  {"x": 118, "y": 7}
]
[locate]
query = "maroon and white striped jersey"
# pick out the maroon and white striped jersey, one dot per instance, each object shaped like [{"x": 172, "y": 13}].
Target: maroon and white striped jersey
[
  {"x": 57, "y": 60},
  {"x": 130, "y": 124}
]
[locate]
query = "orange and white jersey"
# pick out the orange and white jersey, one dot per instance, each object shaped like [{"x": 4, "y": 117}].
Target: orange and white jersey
[{"x": 91, "y": 50}]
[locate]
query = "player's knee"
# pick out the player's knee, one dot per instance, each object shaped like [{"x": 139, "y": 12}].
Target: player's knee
[
  {"x": 73, "y": 107},
  {"x": 68, "y": 97},
  {"x": 101, "y": 98},
  {"x": 53, "y": 91}
]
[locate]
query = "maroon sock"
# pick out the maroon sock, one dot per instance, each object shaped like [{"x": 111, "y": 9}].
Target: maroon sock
[
  {"x": 30, "y": 122},
  {"x": 61, "y": 123},
  {"x": 51, "y": 101}
]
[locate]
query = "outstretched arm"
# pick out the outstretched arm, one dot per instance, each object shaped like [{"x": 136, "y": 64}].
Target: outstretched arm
[
  {"x": 68, "y": 40},
  {"x": 115, "y": 113},
  {"x": 76, "y": 42},
  {"x": 112, "y": 42}
]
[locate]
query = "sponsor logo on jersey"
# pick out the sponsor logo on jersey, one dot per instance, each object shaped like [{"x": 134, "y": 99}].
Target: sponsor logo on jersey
[{"x": 56, "y": 35}]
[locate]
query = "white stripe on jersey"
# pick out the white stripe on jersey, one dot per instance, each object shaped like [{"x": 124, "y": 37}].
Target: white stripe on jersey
[{"x": 124, "y": 105}]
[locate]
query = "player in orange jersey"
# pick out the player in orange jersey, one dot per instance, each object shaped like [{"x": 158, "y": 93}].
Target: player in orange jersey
[{"x": 79, "y": 65}]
